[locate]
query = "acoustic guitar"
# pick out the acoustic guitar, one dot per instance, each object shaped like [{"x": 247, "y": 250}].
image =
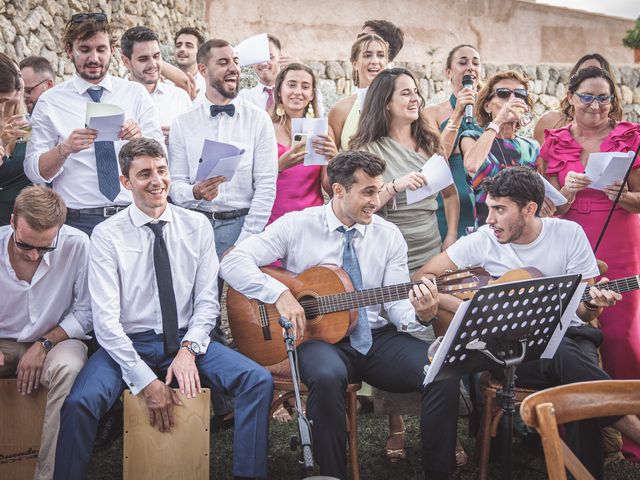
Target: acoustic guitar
[{"x": 330, "y": 303}]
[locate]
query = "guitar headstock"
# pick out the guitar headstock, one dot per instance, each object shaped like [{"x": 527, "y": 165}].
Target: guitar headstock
[{"x": 462, "y": 280}]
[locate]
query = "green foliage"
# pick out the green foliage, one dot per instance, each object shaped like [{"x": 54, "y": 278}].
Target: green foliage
[{"x": 632, "y": 38}]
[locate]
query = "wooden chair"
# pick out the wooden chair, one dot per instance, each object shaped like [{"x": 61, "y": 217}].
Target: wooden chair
[
  {"x": 21, "y": 418},
  {"x": 181, "y": 453},
  {"x": 545, "y": 409},
  {"x": 282, "y": 382},
  {"x": 491, "y": 416}
]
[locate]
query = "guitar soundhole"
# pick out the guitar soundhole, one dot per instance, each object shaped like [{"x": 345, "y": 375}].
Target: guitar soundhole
[{"x": 310, "y": 305}]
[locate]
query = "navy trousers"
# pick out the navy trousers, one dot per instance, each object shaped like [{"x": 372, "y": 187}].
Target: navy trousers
[
  {"x": 394, "y": 364},
  {"x": 100, "y": 384}
]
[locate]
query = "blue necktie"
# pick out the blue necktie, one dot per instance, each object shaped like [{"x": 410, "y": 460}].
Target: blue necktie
[
  {"x": 360, "y": 338},
  {"x": 229, "y": 109},
  {"x": 106, "y": 162}
]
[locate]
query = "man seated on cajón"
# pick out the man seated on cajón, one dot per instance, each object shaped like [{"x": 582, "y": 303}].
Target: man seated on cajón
[{"x": 516, "y": 237}]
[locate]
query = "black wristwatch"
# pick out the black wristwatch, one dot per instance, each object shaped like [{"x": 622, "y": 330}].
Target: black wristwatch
[
  {"x": 194, "y": 349},
  {"x": 46, "y": 344}
]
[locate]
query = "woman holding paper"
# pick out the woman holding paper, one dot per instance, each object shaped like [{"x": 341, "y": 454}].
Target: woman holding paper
[
  {"x": 499, "y": 106},
  {"x": 298, "y": 186},
  {"x": 14, "y": 128},
  {"x": 448, "y": 117},
  {"x": 595, "y": 107},
  {"x": 369, "y": 57}
]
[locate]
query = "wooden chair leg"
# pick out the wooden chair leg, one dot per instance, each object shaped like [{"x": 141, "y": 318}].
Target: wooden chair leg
[
  {"x": 484, "y": 436},
  {"x": 352, "y": 414}
]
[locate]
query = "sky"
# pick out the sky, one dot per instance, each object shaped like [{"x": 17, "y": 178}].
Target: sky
[{"x": 618, "y": 8}]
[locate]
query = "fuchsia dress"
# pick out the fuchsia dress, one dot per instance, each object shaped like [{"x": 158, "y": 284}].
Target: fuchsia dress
[
  {"x": 620, "y": 246},
  {"x": 297, "y": 188}
]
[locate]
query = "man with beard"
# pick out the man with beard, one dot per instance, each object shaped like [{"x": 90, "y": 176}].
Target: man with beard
[
  {"x": 516, "y": 237},
  {"x": 38, "y": 77},
  {"x": 187, "y": 41},
  {"x": 241, "y": 206},
  {"x": 63, "y": 151},
  {"x": 141, "y": 55}
]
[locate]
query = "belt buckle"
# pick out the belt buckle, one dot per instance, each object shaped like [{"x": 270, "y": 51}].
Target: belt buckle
[
  {"x": 109, "y": 211},
  {"x": 584, "y": 205}
]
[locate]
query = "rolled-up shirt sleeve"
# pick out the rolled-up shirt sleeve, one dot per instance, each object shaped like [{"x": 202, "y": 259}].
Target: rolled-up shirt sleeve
[
  {"x": 181, "y": 187},
  {"x": 78, "y": 321},
  {"x": 104, "y": 287},
  {"x": 401, "y": 313},
  {"x": 265, "y": 173}
]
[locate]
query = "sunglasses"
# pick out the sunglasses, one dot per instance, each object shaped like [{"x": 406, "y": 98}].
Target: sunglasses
[
  {"x": 504, "y": 93},
  {"x": 587, "y": 98},
  {"x": 81, "y": 17},
  {"x": 26, "y": 246},
  {"x": 28, "y": 90}
]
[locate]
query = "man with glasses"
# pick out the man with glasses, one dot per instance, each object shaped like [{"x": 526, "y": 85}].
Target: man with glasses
[
  {"x": 62, "y": 151},
  {"x": 38, "y": 77},
  {"x": 46, "y": 307}
]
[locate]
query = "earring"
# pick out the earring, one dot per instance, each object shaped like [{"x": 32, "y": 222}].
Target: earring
[
  {"x": 280, "y": 110},
  {"x": 310, "y": 113}
]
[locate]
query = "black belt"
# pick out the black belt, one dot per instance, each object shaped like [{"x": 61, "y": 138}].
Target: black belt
[
  {"x": 105, "y": 212},
  {"x": 224, "y": 215}
]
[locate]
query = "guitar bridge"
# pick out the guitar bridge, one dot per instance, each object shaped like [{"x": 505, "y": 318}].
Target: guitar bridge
[{"x": 264, "y": 322}]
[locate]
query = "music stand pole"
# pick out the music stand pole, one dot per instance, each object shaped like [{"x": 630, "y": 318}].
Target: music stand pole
[{"x": 304, "y": 426}]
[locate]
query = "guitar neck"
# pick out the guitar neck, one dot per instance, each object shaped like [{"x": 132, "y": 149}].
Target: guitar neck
[{"x": 620, "y": 285}]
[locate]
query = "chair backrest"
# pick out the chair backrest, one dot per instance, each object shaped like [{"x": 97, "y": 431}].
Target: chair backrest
[{"x": 546, "y": 409}]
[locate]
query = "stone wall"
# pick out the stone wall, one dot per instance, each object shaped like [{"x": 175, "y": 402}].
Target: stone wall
[
  {"x": 34, "y": 27},
  {"x": 547, "y": 82}
]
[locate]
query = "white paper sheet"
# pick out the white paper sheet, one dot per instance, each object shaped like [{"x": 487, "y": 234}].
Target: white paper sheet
[
  {"x": 552, "y": 193},
  {"x": 362, "y": 95},
  {"x": 604, "y": 168},
  {"x": 218, "y": 159},
  {"x": 438, "y": 176},
  {"x": 253, "y": 50},
  {"x": 310, "y": 127},
  {"x": 106, "y": 119}
]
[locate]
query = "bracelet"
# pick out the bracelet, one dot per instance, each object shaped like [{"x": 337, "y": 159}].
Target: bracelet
[
  {"x": 452, "y": 127},
  {"x": 393, "y": 184},
  {"x": 590, "y": 306},
  {"x": 492, "y": 126},
  {"x": 59, "y": 150}
]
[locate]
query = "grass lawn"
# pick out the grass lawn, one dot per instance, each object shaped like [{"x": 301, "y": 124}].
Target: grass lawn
[{"x": 528, "y": 463}]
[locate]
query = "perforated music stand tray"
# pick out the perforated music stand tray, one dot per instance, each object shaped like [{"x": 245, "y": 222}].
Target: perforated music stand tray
[{"x": 535, "y": 312}]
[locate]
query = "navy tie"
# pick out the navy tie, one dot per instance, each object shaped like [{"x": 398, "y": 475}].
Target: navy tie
[
  {"x": 229, "y": 109},
  {"x": 360, "y": 338},
  {"x": 106, "y": 162},
  {"x": 166, "y": 294}
]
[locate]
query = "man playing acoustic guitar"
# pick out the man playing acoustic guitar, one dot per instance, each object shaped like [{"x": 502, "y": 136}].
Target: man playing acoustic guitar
[
  {"x": 516, "y": 237},
  {"x": 372, "y": 251}
]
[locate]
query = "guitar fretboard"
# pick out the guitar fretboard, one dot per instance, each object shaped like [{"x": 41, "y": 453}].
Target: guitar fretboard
[{"x": 620, "y": 285}]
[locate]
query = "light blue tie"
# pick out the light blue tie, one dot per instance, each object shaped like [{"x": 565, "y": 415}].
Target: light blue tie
[
  {"x": 106, "y": 162},
  {"x": 360, "y": 338}
]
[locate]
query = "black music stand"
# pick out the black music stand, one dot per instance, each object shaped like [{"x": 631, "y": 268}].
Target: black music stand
[{"x": 505, "y": 325}]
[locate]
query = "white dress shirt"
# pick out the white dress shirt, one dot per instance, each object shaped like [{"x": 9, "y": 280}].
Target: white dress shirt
[
  {"x": 57, "y": 295},
  {"x": 253, "y": 185},
  {"x": 259, "y": 97},
  {"x": 123, "y": 285},
  {"x": 308, "y": 238},
  {"x": 62, "y": 109},
  {"x": 171, "y": 101}
]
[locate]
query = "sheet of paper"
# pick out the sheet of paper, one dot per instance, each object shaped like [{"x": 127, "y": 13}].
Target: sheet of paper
[
  {"x": 565, "y": 322},
  {"x": 554, "y": 195},
  {"x": 310, "y": 127},
  {"x": 106, "y": 119},
  {"x": 438, "y": 176},
  {"x": 441, "y": 352},
  {"x": 604, "y": 168},
  {"x": 362, "y": 95},
  {"x": 218, "y": 159},
  {"x": 253, "y": 50}
]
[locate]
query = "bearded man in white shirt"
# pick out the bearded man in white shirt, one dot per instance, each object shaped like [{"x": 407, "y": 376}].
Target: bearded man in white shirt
[
  {"x": 141, "y": 55},
  {"x": 187, "y": 41},
  {"x": 62, "y": 151},
  {"x": 378, "y": 350},
  {"x": 46, "y": 306},
  {"x": 152, "y": 278}
]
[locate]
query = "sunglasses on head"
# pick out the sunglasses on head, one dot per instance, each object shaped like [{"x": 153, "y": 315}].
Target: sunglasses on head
[
  {"x": 587, "y": 98},
  {"x": 81, "y": 17},
  {"x": 26, "y": 246},
  {"x": 503, "y": 93}
]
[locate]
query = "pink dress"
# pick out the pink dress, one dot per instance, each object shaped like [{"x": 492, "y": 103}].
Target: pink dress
[
  {"x": 297, "y": 188},
  {"x": 619, "y": 246}
]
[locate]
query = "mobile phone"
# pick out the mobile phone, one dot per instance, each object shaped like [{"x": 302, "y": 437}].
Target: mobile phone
[{"x": 299, "y": 138}]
